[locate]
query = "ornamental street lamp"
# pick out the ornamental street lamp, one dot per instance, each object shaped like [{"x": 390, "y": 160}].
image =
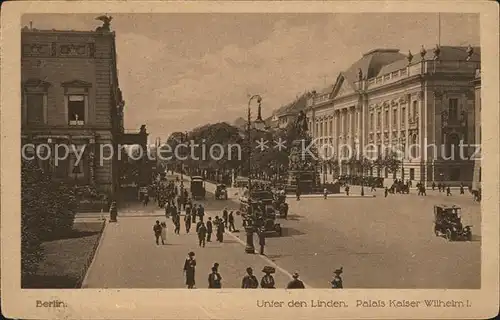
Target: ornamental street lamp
[{"x": 249, "y": 225}]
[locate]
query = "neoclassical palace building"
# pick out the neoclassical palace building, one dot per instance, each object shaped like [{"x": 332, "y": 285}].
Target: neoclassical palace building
[{"x": 422, "y": 104}]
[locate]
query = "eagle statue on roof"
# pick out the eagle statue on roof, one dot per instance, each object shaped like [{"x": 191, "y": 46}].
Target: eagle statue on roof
[{"x": 106, "y": 20}]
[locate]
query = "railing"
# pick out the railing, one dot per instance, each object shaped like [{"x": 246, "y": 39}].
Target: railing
[{"x": 430, "y": 66}]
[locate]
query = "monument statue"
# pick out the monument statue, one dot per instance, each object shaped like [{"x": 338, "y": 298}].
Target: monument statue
[
  {"x": 301, "y": 124},
  {"x": 106, "y": 23}
]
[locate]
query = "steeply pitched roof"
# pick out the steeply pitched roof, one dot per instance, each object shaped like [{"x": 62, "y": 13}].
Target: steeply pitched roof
[
  {"x": 369, "y": 64},
  {"x": 448, "y": 53}
]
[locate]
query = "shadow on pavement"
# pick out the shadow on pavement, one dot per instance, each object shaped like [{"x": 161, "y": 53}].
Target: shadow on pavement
[
  {"x": 294, "y": 217},
  {"x": 286, "y": 232}
]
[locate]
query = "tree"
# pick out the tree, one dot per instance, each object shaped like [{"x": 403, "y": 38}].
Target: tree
[
  {"x": 47, "y": 210},
  {"x": 392, "y": 162}
]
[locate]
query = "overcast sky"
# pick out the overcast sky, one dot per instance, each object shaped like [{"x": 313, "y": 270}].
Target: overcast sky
[{"x": 179, "y": 71}]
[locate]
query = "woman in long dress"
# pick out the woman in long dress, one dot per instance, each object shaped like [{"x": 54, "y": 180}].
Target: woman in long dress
[
  {"x": 189, "y": 269},
  {"x": 163, "y": 232}
]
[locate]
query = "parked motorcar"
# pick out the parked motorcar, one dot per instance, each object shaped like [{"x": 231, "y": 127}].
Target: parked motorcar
[{"x": 448, "y": 223}]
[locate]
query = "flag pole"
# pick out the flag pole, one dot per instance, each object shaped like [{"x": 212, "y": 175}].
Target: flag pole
[{"x": 439, "y": 28}]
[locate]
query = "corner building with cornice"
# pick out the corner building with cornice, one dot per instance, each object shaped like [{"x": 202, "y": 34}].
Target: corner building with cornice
[
  {"x": 70, "y": 95},
  {"x": 423, "y": 104}
]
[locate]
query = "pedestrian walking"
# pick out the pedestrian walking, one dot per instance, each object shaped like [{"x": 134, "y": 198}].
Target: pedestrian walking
[
  {"x": 214, "y": 279},
  {"x": 262, "y": 240},
  {"x": 198, "y": 224},
  {"x": 201, "y": 211},
  {"x": 202, "y": 233},
  {"x": 163, "y": 232},
  {"x": 189, "y": 270},
  {"x": 167, "y": 210},
  {"x": 433, "y": 186},
  {"x": 267, "y": 281},
  {"x": 295, "y": 283},
  {"x": 157, "y": 231},
  {"x": 146, "y": 199},
  {"x": 347, "y": 190},
  {"x": 177, "y": 223},
  {"x": 230, "y": 219},
  {"x": 448, "y": 191},
  {"x": 297, "y": 193},
  {"x": 462, "y": 188},
  {"x": 209, "y": 229},
  {"x": 187, "y": 222},
  {"x": 225, "y": 216},
  {"x": 386, "y": 192},
  {"x": 179, "y": 203},
  {"x": 193, "y": 216},
  {"x": 325, "y": 193},
  {"x": 337, "y": 280},
  {"x": 249, "y": 280},
  {"x": 220, "y": 230}
]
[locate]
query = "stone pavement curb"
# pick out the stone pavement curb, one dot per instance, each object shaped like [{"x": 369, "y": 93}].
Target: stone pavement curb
[{"x": 96, "y": 252}]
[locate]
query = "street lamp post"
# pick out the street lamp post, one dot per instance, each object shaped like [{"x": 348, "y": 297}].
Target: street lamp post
[
  {"x": 183, "y": 138},
  {"x": 249, "y": 226}
]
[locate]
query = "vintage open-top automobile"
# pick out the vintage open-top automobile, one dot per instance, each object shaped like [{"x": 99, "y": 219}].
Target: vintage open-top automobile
[
  {"x": 261, "y": 207},
  {"x": 448, "y": 223},
  {"x": 221, "y": 192}
]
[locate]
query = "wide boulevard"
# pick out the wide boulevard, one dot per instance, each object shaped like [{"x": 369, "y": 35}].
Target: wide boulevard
[{"x": 380, "y": 243}]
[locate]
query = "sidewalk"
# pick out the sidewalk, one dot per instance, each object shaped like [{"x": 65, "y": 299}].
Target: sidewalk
[{"x": 129, "y": 258}]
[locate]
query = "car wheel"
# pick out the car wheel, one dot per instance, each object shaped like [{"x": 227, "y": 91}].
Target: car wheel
[
  {"x": 279, "y": 230},
  {"x": 449, "y": 235}
]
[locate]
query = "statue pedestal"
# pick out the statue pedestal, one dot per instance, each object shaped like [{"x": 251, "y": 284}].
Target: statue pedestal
[{"x": 302, "y": 172}]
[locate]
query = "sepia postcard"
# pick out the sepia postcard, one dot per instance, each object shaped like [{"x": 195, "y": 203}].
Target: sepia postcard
[{"x": 159, "y": 158}]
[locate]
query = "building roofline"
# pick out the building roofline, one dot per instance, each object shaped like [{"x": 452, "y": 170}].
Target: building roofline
[
  {"x": 66, "y": 32},
  {"x": 381, "y": 50}
]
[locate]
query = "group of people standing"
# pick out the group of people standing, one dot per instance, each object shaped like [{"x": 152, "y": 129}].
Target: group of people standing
[
  {"x": 205, "y": 231},
  {"x": 249, "y": 281}
]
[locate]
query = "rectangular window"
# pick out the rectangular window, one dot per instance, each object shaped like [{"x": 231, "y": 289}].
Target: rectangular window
[
  {"x": 371, "y": 121},
  {"x": 403, "y": 116},
  {"x": 379, "y": 121},
  {"x": 76, "y": 109},
  {"x": 386, "y": 119},
  {"x": 35, "y": 108},
  {"x": 394, "y": 118},
  {"x": 331, "y": 128},
  {"x": 453, "y": 109}
]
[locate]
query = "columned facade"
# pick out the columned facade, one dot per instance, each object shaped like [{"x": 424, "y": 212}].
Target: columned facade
[{"x": 421, "y": 105}]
